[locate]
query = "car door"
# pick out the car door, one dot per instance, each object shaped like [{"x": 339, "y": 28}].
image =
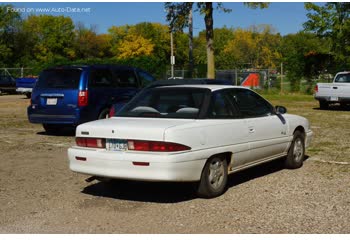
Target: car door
[
  {"x": 224, "y": 128},
  {"x": 267, "y": 131}
]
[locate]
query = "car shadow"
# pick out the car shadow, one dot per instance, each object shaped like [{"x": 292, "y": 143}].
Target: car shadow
[
  {"x": 65, "y": 132},
  {"x": 165, "y": 192}
]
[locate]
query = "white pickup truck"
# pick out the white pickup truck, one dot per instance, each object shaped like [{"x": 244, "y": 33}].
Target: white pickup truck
[{"x": 336, "y": 92}]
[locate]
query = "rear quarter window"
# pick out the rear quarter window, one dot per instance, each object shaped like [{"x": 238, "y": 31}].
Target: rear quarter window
[{"x": 59, "y": 78}]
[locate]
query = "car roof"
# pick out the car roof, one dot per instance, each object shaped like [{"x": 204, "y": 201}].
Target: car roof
[
  {"x": 83, "y": 66},
  {"x": 212, "y": 87}
]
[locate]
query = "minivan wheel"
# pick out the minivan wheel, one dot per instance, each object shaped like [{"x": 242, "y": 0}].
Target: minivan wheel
[
  {"x": 296, "y": 151},
  {"x": 28, "y": 95},
  {"x": 51, "y": 129},
  {"x": 104, "y": 114},
  {"x": 213, "y": 181}
]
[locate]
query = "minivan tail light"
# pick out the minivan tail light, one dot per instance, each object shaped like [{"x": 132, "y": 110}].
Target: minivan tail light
[
  {"x": 83, "y": 98},
  {"x": 91, "y": 142},
  {"x": 316, "y": 89},
  {"x": 155, "y": 146}
]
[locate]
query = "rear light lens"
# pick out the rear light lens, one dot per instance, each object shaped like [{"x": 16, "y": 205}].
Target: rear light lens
[
  {"x": 83, "y": 98},
  {"x": 91, "y": 142},
  {"x": 316, "y": 89},
  {"x": 154, "y": 146}
]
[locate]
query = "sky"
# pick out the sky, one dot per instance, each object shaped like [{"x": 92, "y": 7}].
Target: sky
[{"x": 285, "y": 17}]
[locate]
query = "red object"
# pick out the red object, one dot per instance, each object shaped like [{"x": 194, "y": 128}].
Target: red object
[
  {"x": 154, "y": 146},
  {"x": 83, "y": 98},
  {"x": 141, "y": 163},
  {"x": 111, "y": 112},
  {"x": 252, "y": 80},
  {"x": 316, "y": 88}
]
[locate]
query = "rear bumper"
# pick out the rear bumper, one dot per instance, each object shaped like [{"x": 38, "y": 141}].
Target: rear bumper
[
  {"x": 37, "y": 116},
  {"x": 24, "y": 90},
  {"x": 332, "y": 99},
  {"x": 180, "y": 167}
]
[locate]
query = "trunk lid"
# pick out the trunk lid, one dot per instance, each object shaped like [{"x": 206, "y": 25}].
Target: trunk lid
[{"x": 129, "y": 128}]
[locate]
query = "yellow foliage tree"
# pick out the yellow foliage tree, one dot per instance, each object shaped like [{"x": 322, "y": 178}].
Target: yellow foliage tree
[{"x": 134, "y": 46}]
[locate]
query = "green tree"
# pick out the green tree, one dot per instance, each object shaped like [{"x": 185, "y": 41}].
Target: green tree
[
  {"x": 9, "y": 28},
  {"x": 296, "y": 56},
  {"x": 178, "y": 16},
  {"x": 332, "y": 20},
  {"x": 50, "y": 37}
]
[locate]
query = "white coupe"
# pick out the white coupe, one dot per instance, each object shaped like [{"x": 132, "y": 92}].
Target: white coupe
[{"x": 194, "y": 133}]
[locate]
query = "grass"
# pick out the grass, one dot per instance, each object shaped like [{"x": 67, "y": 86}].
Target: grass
[{"x": 331, "y": 127}]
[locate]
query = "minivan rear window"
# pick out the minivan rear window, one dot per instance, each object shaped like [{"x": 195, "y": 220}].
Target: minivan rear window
[{"x": 59, "y": 78}]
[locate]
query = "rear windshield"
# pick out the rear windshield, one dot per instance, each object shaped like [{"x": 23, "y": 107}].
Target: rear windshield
[
  {"x": 166, "y": 103},
  {"x": 59, "y": 78},
  {"x": 343, "y": 78}
]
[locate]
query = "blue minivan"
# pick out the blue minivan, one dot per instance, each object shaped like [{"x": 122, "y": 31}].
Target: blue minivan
[{"x": 70, "y": 95}]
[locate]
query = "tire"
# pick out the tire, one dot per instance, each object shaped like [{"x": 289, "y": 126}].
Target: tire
[
  {"x": 296, "y": 152},
  {"x": 213, "y": 180},
  {"x": 28, "y": 95},
  {"x": 104, "y": 114},
  {"x": 51, "y": 129},
  {"x": 324, "y": 105}
]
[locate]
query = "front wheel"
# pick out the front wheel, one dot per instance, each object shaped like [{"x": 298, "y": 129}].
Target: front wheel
[
  {"x": 213, "y": 181},
  {"x": 296, "y": 151}
]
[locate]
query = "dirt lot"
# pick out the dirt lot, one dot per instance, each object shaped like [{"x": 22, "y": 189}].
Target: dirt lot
[{"x": 39, "y": 194}]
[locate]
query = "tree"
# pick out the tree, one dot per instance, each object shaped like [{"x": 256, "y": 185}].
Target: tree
[
  {"x": 9, "y": 28},
  {"x": 50, "y": 37},
  {"x": 88, "y": 44},
  {"x": 177, "y": 15},
  {"x": 332, "y": 20},
  {"x": 299, "y": 52}
]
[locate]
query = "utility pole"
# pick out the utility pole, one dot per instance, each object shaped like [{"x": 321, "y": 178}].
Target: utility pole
[
  {"x": 172, "y": 57},
  {"x": 190, "y": 36},
  {"x": 281, "y": 77}
]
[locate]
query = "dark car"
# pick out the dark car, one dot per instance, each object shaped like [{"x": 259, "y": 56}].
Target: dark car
[
  {"x": 169, "y": 82},
  {"x": 71, "y": 95},
  {"x": 7, "y": 84}
]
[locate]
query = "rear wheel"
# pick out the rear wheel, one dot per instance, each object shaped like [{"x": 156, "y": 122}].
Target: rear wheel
[
  {"x": 28, "y": 95},
  {"x": 104, "y": 114},
  {"x": 296, "y": 151},
  {"x": 324, "y": 105},
  {"x": 51, "y": 129},
  {"x": 213, "y": 181}
]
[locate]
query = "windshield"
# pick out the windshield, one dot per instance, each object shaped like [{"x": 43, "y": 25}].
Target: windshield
[
  {"x": 166, "y": 103},
  {"x": 59, "y": 78},
  {"x": 343, "y": 78}
]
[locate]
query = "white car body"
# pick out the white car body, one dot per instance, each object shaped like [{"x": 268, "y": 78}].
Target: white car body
[{"x": 247, "y": 142}]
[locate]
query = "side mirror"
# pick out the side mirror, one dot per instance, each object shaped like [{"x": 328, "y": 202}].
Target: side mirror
[{"x": 280, "y": 110}]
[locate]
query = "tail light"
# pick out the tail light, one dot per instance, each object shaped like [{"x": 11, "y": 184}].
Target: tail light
[
  {"x": 83, "y": 98},
  {"x": 316, "y": 89},
  {"x": 111, "y": 112},
  {"x": 154, "y": 146},
  {"x": 91, "y": 142}
]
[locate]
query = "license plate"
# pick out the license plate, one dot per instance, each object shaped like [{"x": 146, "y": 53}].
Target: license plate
[
  {"x": 51, "y": 101},
  {"x": 334, "y": 99},
  {"x": 116, "y": 145}
]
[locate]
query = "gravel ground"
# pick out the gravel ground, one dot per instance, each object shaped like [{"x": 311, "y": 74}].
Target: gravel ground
[{"x": 39, "y": 194}]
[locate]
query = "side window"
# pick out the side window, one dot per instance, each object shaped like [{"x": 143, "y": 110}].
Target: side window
[
  {"x": 124, "y": 78},
  {"x": 146, "y": 78},
  {"x": 100, "y": 78},
  {"x": 250, "y": 104},
  {"x": 220, "y": 106}
]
